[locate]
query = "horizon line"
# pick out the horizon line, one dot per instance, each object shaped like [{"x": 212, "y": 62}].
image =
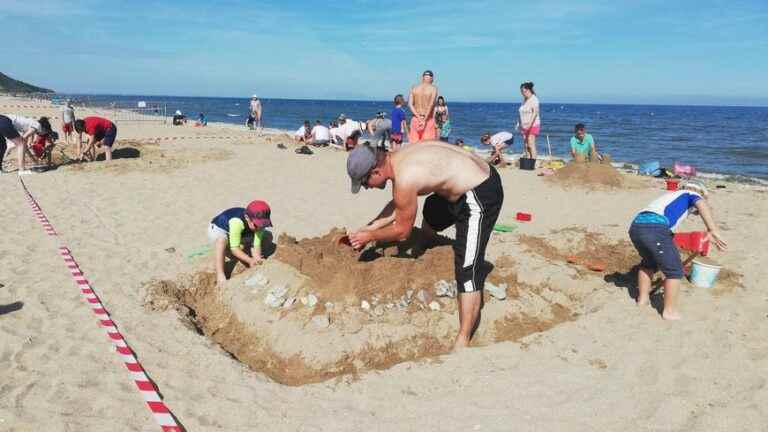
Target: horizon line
[{"x": 461, "y": 101}]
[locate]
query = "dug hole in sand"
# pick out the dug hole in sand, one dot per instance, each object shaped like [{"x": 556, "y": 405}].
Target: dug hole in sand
[{"x": 317, "y": 311}]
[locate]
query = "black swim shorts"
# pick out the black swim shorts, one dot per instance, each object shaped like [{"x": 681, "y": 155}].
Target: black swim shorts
[
  {"x": 6, "y": 128},
  {"x": 474, "y": 215}
]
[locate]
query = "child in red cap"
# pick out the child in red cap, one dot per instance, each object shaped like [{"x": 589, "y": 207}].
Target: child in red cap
[{"x": 231, "y": 226}]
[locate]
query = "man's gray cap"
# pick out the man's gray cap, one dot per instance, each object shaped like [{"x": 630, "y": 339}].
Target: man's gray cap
[{"x": 360, "y": 162}]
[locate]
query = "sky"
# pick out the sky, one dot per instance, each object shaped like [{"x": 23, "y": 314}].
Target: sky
[{"x": 588, "y": 51}]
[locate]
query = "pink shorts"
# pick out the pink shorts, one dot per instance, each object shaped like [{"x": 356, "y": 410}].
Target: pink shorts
[{"x": 533, "y": 130}]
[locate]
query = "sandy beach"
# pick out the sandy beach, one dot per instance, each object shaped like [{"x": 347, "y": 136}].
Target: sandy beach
[{"x": 567, "y": 350}]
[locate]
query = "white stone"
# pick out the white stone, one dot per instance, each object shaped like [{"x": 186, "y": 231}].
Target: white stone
[
  {"x": 321, "y": 321},
  {"x": 273, "y": 300},
  {"x": 378, "y": 310},
  {"x": 364, "y": 305},
  {"x": 422, "y": 296},
  {"x": 279, "y": 291},
  {"x": 435, "y": 306},
  {"x": 409, "y": 294},
  {"x": 499, "y": 292},
  {"x": 445, "y": 289},
  {"x": 289, "y": 302},
  {"x": 303, "y": 301},
  {"x": 311, "y": 300},
  {"x": 328, "y": 305}
]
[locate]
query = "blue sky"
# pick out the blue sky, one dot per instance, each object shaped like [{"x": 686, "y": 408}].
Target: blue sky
[{"x": 655, "y": 51}]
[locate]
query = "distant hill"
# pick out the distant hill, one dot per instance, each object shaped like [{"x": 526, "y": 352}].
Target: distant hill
[{"x": 10, "y": 85}]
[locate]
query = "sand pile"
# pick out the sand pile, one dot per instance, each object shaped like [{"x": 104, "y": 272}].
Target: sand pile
[
  {"x": 587, "y": 174},
  {"x": 130, "y": 156},
  {"x": 297, "y": 341},
  {"x": 387, "y": 272}
]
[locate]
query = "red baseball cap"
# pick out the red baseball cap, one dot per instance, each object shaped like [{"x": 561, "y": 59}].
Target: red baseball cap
[{"x": 259, "y": 213}]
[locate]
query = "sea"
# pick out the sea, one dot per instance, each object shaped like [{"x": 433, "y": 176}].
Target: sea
[{"x": 725, "y": 142}]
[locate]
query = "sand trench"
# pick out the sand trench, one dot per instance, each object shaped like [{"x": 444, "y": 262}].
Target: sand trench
[{"x": 285, "y": 344}]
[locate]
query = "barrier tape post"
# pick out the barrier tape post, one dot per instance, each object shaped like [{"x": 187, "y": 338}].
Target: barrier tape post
[{"x": 160, "y": 411}]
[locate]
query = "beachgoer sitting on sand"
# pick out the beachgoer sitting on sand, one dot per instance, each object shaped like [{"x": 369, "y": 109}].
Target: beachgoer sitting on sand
[
  {"x": 651, "y": 234},
  {"x": 333, "y": 130},
  {"x": 583, "y": 145},
  {"x": 399, "y": 124},
  {"x": 21, "y": 132},
  {"x": 227, "y": 231},
  {"x": 350, "y": 131},
  {"x": 465, "y": 192},
  {"x": 201, "y": 121},
  {"x": 101, "y": 133},
  {"x": 179, "y": 119},
  {"x": 422, "y": 104},
  {"x": 379, "y": 128},
  {"x": 67, "y": 120},
  {"x": 304, "y": 133},
  {"x": 321, "y": 135},
  {"x": 498, "y": 142}
]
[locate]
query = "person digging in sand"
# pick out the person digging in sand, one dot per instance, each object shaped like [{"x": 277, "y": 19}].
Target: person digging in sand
[
  {"x": 229, "y": 228},
  {"x": 651, "y": 234},
  {"x": 498, "y": 142},
  {"x": 101, "y": 133},
  {"x": 463, "y": 191}
]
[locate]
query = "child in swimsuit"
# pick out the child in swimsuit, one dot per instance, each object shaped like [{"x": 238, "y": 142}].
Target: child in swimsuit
[{"x": 228, "y": 229}]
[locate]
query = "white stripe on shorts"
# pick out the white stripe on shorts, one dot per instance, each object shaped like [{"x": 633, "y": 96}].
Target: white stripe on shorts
[{"x": 473, "y": 236}]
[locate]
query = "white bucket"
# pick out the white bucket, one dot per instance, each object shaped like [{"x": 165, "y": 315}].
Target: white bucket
[{"x": 704, "y": 275}]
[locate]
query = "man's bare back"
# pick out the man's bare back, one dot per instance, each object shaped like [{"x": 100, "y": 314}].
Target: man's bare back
[
  {"x": 435, "y": 167},
  {"x": 423, "y": 97}
]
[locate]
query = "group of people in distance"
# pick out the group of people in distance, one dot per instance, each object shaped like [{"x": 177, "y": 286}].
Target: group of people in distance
[{"x": 36, "y": 138}]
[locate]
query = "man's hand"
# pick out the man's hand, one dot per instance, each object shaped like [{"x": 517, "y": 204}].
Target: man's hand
[{"x": 359, "y": 239}]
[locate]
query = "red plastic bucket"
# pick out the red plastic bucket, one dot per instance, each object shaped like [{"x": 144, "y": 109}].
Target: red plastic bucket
[
  {"x": 525, "y": 217},
  {"x": 672, "y": 185},
  {"x": 695, "y": 241}
]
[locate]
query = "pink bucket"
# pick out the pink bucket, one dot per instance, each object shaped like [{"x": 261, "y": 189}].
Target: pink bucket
[{"x": 684, "y": 170}]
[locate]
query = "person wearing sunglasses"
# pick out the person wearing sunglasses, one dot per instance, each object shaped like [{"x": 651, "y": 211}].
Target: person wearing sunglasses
[{"x": 463, "y": 190}]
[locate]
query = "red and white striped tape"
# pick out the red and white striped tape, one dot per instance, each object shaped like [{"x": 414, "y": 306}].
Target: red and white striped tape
[{"x": 160, "y": 411}]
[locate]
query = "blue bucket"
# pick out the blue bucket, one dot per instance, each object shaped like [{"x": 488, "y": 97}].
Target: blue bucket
[{"x": 650, "y": 168}]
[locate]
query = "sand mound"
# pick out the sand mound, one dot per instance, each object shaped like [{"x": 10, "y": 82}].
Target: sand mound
[
  {"x": 589, "y": 175},
  {"x": 128, "y": 156},
  {"x": 287, "y": 344},
  {"x": 386, "y": 272}
]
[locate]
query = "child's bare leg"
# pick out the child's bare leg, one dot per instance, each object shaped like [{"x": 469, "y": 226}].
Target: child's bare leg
[
  {"x": 221, "y": 246},
  {"x": 108, "y": 153},
  {"x": 671, "y": 290},
  {"x": 644, "y": 278}
]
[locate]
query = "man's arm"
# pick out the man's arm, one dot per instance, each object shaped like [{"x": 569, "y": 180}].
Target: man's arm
[
  {"x": 385, "y": 217},
  {"x": 411, "y": 98},
  {"x": 406, "y": 204}
]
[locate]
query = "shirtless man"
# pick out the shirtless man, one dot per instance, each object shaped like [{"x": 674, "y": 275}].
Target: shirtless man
[
  {"x": 421, "y": 101},
  {"x": 464, "y": 191}
]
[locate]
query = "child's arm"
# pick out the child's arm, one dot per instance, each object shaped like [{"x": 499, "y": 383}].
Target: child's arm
[
  {"x": 256, "y": 247},
  {"x": 236, "y": 228},
  {"x": 713, "y": 232}
]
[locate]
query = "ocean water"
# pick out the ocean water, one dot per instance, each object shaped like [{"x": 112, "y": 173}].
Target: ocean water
[{"x": 731, "y": 141}]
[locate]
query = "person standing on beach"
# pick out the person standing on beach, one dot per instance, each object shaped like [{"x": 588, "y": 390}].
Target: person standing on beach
[
  {"x": 67, "y": 120},
  {"x": 529, "y": 123},
  {"x": 442, "y": 119},
  {"x": 399, "y": 125},
  {"x": 651, "y": 234},
  {"x": 256, "y": 111},
  {"x": 100, "y": 131},
  {"x": 421, "y": 101},
  {"x": 463, "y": 191}
]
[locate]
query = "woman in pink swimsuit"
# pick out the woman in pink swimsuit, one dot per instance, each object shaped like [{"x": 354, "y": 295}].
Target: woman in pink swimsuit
[{"x": 529, "y": 123}]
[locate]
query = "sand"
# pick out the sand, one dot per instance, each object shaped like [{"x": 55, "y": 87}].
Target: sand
[{"x": 568, "y": 350}]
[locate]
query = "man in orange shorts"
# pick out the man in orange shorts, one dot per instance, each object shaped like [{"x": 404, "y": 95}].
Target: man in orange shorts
[{"x": 422, "y": 104}]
